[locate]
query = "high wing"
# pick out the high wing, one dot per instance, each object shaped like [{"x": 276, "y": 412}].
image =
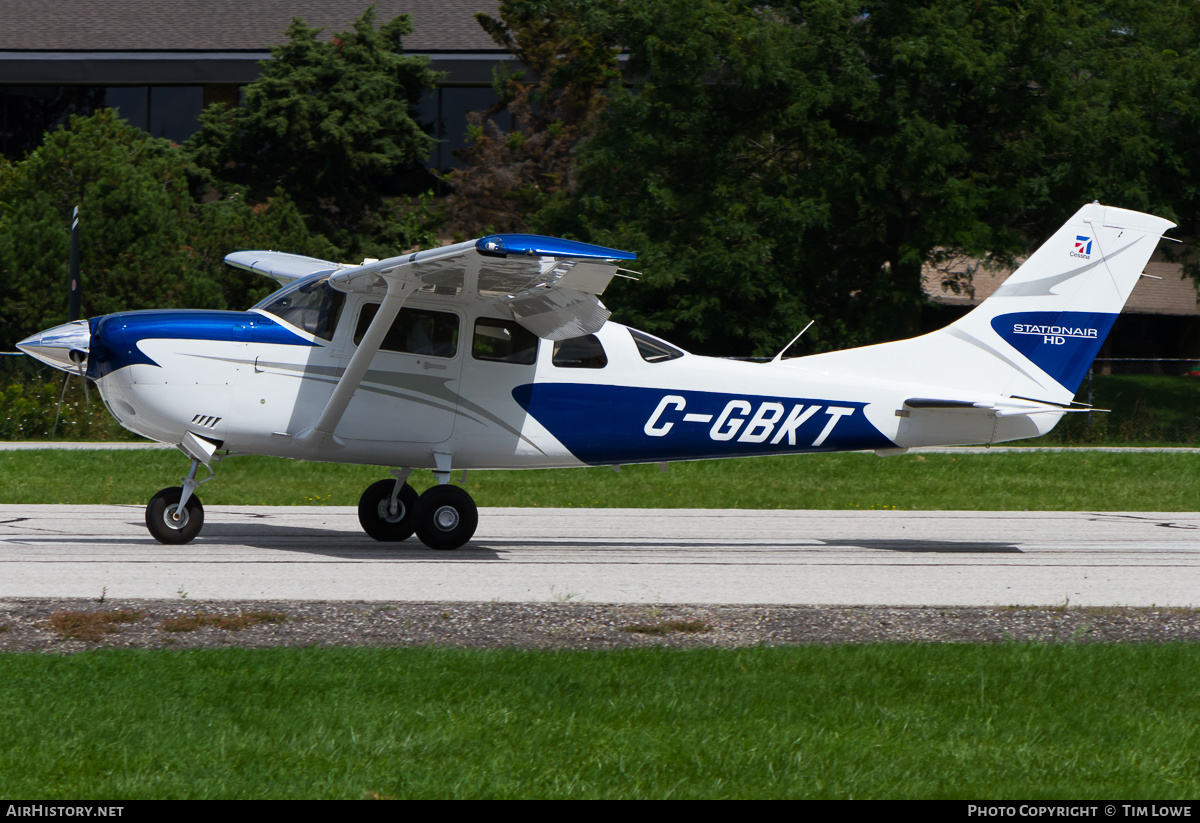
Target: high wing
[
  {"x": 280, "y": 266},
  {"x": 548, "y": 284}
]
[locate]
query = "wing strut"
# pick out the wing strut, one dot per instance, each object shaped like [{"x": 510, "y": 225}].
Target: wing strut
[{"x": 356, "y": 369}]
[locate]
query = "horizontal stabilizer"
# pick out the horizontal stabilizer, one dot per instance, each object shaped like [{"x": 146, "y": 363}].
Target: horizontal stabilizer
[
  {"x": 934, "y": 403},
  {"x": 1011, "y": 407}
]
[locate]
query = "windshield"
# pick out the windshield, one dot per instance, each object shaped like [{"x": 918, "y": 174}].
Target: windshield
[{"x": 310, "y": 304}]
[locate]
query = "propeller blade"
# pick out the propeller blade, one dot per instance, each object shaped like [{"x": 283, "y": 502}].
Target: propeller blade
[
  {"x": 58, "y": 409},
  {"x": 80, "y": 360}
]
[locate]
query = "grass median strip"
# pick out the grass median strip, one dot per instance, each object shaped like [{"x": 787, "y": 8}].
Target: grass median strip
[
  {"x": 1061, "y": 481},
  {"x": 889, "y": 720}
]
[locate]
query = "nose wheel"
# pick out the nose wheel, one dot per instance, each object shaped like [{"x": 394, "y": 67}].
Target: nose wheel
[
  {"x": 175, "y": 515},
  {"x": 172, "y": 523}
]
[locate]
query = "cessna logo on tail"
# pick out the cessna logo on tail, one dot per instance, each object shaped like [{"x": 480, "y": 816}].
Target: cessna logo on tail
[{"x": 1083, "y": 247}]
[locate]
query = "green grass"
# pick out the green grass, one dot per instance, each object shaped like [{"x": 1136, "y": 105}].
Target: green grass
[
  {"x": 1141, "y": 408},
  {"x": 898, "y": 721},
  {"x": 1057, "y": 481}
]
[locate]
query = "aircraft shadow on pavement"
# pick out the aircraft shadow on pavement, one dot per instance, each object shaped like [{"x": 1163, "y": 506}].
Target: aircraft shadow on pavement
[
  {"x": 356, "y": 545},
  {"x": 332, "y": 543},
  {"x": 934, "y": 546}
]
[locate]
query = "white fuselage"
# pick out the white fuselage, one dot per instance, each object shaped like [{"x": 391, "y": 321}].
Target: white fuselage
[{"x": 255, "y": 384}]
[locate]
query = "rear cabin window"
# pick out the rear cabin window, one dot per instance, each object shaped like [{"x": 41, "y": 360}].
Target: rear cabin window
[
  {"x": 580, "y": 353},
  {"x": 652, "y": 349},
  {"x": 503, "y": 341},
  {"x": 311, "y": 305},
  {"x": 414, "y": 331}
]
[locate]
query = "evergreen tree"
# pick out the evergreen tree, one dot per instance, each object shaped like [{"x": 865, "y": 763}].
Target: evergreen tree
[{"x": 326, "y": 122}]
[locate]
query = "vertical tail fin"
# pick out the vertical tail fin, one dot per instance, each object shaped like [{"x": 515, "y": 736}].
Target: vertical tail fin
[
  {"x": 1056, "y": 310},
  {"x": 1036, "y": 336}
]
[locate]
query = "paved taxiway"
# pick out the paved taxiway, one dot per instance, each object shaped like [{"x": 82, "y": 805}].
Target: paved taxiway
[{"x": 618, "y": 556}]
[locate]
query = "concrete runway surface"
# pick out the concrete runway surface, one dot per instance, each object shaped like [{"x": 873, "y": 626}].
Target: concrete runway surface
[{"x": 618, "y": 556}]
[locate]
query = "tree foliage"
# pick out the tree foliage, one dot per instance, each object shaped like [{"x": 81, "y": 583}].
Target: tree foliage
[
  {"x": 327, "y": 122},
  {"x": 552, "y": 101},
  {"x": 298, "y": 167},
  {"x": 773, "y": 162},
  {"x": 147, "y": 242}
]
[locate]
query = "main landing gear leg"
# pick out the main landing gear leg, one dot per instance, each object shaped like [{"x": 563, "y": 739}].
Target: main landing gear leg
[
  {"x": 444, "y": 517},
  {"x": 175, "y": 515}
]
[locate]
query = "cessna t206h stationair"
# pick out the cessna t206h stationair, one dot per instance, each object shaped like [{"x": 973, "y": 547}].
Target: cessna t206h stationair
[{"x": 497, "y": 353}]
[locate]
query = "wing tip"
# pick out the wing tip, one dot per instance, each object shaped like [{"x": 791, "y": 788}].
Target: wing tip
[{"x": 536, "y": 245}]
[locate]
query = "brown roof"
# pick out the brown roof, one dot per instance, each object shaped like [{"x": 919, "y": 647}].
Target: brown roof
[
  {"x": 225, "y": 25},
  {"x": 1173, "y": 294}
]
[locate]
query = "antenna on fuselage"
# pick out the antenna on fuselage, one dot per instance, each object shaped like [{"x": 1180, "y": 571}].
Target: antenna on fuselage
[{"x": 779, "y": 356}]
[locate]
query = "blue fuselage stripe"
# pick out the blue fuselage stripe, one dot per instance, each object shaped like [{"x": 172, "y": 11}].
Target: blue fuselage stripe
[
  {"x": 601, "y": 424},
  {"x": 115, "y": 337}
]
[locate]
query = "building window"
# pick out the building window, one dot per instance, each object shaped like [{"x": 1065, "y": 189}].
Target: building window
[{"x": 30, "y": 111}]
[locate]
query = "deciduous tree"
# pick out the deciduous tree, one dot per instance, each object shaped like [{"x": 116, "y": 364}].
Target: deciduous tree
[
  {"x": 147, "y": 242},
  {"x": 551, "y": 103},
  {"x": 773, "y": 162}
]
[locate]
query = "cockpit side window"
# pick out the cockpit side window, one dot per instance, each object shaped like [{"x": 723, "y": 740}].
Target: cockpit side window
[
  {"x": 652, "y": 349},
  {"x": 311, "y": 305},
  {"x": 414, "y": 331},
  {"x": 580, "y": 353},
  {"x": 503, "y": 341}
]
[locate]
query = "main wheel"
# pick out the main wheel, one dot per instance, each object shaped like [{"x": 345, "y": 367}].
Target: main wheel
[
  {"x": 446, "y": 517},
  {"x": 170, "y": 524},
  {"x": 375, "y": 518}
]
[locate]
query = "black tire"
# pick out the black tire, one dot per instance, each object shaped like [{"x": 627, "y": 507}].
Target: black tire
[
  {"x": 164, "y": 526},
  {"x": 373, "y": 512},
  {"x": 446, "y": 517}
]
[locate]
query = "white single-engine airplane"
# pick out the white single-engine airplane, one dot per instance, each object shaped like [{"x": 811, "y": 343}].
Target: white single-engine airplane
[{"x": 497, "y": 353}]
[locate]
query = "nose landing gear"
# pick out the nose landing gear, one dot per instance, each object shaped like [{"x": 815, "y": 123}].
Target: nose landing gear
[{"x": 175, "y": 515}]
